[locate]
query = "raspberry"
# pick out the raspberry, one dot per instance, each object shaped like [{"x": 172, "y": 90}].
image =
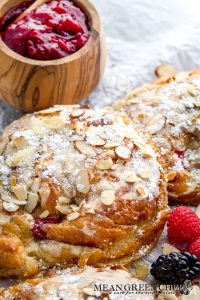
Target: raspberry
[
  {"x": 183, "y": 227},
  {"x": 37, "y": 231},
  {"x": 195, "y": 248}
]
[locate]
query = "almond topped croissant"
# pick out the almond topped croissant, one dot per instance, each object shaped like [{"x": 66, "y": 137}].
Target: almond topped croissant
[{"x": 77, "y": 186}]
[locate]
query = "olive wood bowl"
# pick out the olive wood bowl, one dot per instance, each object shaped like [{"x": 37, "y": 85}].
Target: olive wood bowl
[{"x": 31, "y": 85}]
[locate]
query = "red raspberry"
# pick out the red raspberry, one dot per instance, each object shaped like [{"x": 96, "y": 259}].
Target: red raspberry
[
  {"x": 37, "y": 231},
  {"x": 183, "y": 227},
  {"x": 195, "y": 248}
]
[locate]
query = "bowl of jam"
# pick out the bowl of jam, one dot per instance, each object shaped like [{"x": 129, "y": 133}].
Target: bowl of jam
[{"x": 54, "y": 54}]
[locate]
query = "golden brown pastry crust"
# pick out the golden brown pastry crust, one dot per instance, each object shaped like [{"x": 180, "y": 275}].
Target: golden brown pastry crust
[
  {"x": 73, "y": 284},
  {"x": 168, "y": 110},
  {"x": 95, "y": 171}
]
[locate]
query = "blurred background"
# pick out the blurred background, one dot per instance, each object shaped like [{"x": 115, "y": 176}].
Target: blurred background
[{"x": 141, "y": 34}]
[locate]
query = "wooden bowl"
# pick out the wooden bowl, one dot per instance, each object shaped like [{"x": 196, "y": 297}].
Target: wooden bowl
[{"x": 31, "y": 85}]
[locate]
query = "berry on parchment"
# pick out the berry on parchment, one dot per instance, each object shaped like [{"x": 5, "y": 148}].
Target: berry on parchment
[
  {"x": 175, "y": 268},
  {"x": 183, "y": 227},
  {"x": 195, "y": 248}
]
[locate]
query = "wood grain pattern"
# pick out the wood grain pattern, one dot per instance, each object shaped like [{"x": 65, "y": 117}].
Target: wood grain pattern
[
  {"x": 31, "y": 85},
  {"x": 30, "y": 8}
]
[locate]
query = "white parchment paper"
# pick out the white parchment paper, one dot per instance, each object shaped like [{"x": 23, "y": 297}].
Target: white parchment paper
[{"x": 141, "y": 34}]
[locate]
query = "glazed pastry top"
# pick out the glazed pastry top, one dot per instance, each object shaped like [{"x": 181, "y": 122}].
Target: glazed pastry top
[
  {"x": 80, "y": 284},
  {"x": 169, "y": 111},
  {"x": 85, "y": 158}
]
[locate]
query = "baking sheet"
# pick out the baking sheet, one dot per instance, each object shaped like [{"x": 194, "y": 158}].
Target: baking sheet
[{"x": 141, "y": 34}]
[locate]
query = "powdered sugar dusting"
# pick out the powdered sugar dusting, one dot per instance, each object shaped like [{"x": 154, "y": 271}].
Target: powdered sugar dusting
[
  {"x": 170, "y": 113},
  {"x": 80, "y": 284}
]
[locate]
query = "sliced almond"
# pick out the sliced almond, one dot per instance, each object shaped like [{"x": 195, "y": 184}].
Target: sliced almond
[
  {"x": 80, "y": 128},
  {"x": 82, "y": 203},
  {"x": 138, "y": 141},
  {"x": 85, "y": 148},
  {"x": 146, "y": 173},
  {"x": 63, "y": 208},
  {"x": 44, "y": 193},
  {"x": 91, "y": 211},
  {"x": 13, "y": 180},
  {"x": 156, "y": 124},
  {"x": 132, "y": 178},
  {"x": 22, "y": 157},
  {"x": 3, "y": 144},
  {"x": 104, "y": 164},
  {"x": 115, "y": 166},
  {"x": 10, "y": 207},
  {"x": 130, "y": 145},
  {"x": 73, "y": 216},
  {"x": 141, "y": 190},
  {"x": 54, "y": 122},
  {"x": 167, "y": 249},
  {"x": 20, "y": 192},
  {"x": 123, "y": 152},
  {"x": 111, "y": 145},
  {"x": 20, "y": 142},
  {"x": 108, "y": 197},
  {"x": 63, "y": 200},
  {"x": 89, "y": 291},
  {"x": 35, "y": 186},
  {"x": 106, "y": 154},
  {"x": 50, "y": 111},
  {"x": 83, "y": 182},
  {"x": 44, "y": 214},
  {"x": 97, "y": 141},
  {"x": 192, "y": 91},
  {"x": 165, "y": 71},
  {"x": 31, "y": 202},
  {"x": 77, "y": 113},
  {"x": 12, "y": 199},
  {"x": 74, "y": 207},
  {"x": 128, "y": 134},
  {"x": 149, "y": 152}
]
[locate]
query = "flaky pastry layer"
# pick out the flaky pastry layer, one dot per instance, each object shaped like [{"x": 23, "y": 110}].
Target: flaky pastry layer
[
  {"x": 169, "y": 110},
  {"x": 77, "y": 187}
]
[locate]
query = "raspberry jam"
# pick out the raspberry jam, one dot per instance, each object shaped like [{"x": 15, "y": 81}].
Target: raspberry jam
[
  {"x": 53, "y": 30},
  {"x": 180, "y": 154},
  {"x": 37, "y": 231}
]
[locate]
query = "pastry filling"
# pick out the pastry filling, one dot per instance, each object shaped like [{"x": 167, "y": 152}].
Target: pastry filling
[
  {"x": 37, "y": 231},
  {"x": 51, "y": 31}
]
